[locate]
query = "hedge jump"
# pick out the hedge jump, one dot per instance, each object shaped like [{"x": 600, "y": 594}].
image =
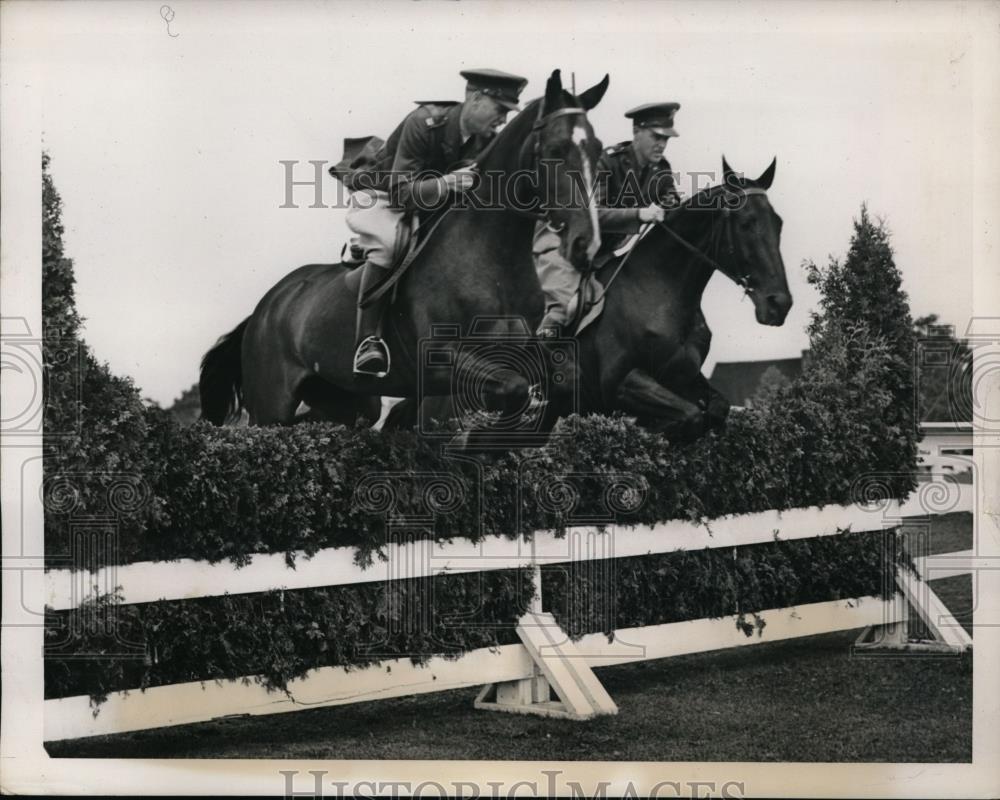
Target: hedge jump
[{"x": 546, "y": 674}]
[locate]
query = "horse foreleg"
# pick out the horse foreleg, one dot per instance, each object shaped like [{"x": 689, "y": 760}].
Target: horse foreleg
[
  {"x": 482, "y": 382},
  {"x": 491, "y": 385},
  {"x": 403, "y": 416},
  {"x": 659, "y": 408},
  {"x": 712, "y": 401}
]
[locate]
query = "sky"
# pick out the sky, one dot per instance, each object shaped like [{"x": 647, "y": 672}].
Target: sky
[{"x": 166, "y": 148}]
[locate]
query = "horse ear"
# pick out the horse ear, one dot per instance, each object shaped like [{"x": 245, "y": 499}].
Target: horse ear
[
  {"x": 593, "y": 95},
  {"x": 553, "y": 91},
  {"x": 729, "y": 176},
  {"x": 767, "y": 177}
]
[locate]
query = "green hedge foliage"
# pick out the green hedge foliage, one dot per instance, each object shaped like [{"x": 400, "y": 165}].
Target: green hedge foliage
[{"x": 278, "y": 636}]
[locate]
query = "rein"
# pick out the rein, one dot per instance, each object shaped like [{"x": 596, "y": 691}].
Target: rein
[
  {"x": 536, "y": 127},
  {"x": 743, "y": 281}
]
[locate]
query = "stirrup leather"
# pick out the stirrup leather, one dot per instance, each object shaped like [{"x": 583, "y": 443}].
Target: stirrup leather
[{"x": 380, "y": 342}]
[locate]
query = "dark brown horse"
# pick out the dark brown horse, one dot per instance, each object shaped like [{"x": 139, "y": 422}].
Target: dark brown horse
[
  {"x": 474, "y": 275},
  {"x": 644, "y": 354}
]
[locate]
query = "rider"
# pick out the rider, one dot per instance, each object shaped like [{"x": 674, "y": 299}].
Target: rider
[
  {"x": 634, "y": 185},
  {"x": 440, "y": 138}
]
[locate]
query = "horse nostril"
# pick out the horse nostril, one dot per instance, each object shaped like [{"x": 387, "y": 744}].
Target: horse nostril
[{"x": 779, "y": 302}]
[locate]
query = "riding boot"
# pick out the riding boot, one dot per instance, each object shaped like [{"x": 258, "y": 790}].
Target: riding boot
[{"x": 372, "y": 355}]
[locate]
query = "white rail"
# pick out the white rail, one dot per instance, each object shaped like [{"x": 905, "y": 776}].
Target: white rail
[
  {"x": 185, "y": 703},
  {"x": 149, "y": 581}
]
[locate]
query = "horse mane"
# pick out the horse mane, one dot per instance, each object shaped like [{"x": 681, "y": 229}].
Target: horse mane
[
  {"x": 705, "y": 199},
  {"x": 516, "y": 132},
  {"x": 707, "y": 202}
]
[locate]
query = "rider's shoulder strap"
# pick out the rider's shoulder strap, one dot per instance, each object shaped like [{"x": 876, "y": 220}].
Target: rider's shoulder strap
[
  {"x": 617, "y": 149},
  {"x": 436, "y": 111}
]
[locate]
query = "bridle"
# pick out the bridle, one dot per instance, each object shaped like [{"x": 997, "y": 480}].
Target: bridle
[
  {"x": 536, "y": 130},
  {"x": 715, "y": 238},
  {"x": 535, "y": 137}
]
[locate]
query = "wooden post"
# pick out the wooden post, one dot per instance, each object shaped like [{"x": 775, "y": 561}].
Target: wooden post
[
  {"x": 536, "y": 577},
  {"x": 558, "y": 667}
]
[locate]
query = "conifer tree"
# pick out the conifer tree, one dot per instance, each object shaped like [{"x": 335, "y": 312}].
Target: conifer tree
[
  {"x": 863, "y": 295},
  {"x": 95, "y": 425},
  {"x": 58, "y": 282}
]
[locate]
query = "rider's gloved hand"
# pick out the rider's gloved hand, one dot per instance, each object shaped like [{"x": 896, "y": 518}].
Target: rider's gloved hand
[
  {"x": 461, "y": 180},
  {"x": 651, "y": 213}
]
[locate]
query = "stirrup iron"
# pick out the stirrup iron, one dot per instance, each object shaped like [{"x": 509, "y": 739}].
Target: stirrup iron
[{"x": 385, "y": 349}]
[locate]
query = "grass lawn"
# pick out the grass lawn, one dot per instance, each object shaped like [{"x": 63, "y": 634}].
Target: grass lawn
[{"x": 800, "y": 700}]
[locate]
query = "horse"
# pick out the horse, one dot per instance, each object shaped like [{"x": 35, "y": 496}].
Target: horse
[
  {"x": 643, "y": 355},
  {"x": 474, "y": 273}
]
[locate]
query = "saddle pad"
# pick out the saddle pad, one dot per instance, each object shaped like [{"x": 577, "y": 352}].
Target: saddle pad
[
  {"x": 593, "y": 289},
  {"x": 596, "y": 289}
]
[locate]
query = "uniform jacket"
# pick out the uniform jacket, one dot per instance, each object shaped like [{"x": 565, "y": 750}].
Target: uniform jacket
[
  {"x": 623, "y": 189},
  {"x": 429, "y": 139}
]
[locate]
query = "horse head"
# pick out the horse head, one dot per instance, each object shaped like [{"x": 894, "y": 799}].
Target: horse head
[
  {"x": 547, "y": 157},
  {"x": 753, "y": 258},
  {"x": 567, "y": 151}
]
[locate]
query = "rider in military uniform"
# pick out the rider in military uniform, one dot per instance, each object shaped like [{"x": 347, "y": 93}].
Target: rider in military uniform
[
  {"x": 634, "y": 186},
  {"x": 427, "y": 157}
]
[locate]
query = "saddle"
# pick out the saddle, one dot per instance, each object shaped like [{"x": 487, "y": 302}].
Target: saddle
[
  {"x": 412, "y": 234},
  {"x": 591, "y": 292}
]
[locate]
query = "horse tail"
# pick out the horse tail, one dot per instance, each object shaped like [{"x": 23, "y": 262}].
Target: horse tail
[{"x": 221, "y": 380}]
